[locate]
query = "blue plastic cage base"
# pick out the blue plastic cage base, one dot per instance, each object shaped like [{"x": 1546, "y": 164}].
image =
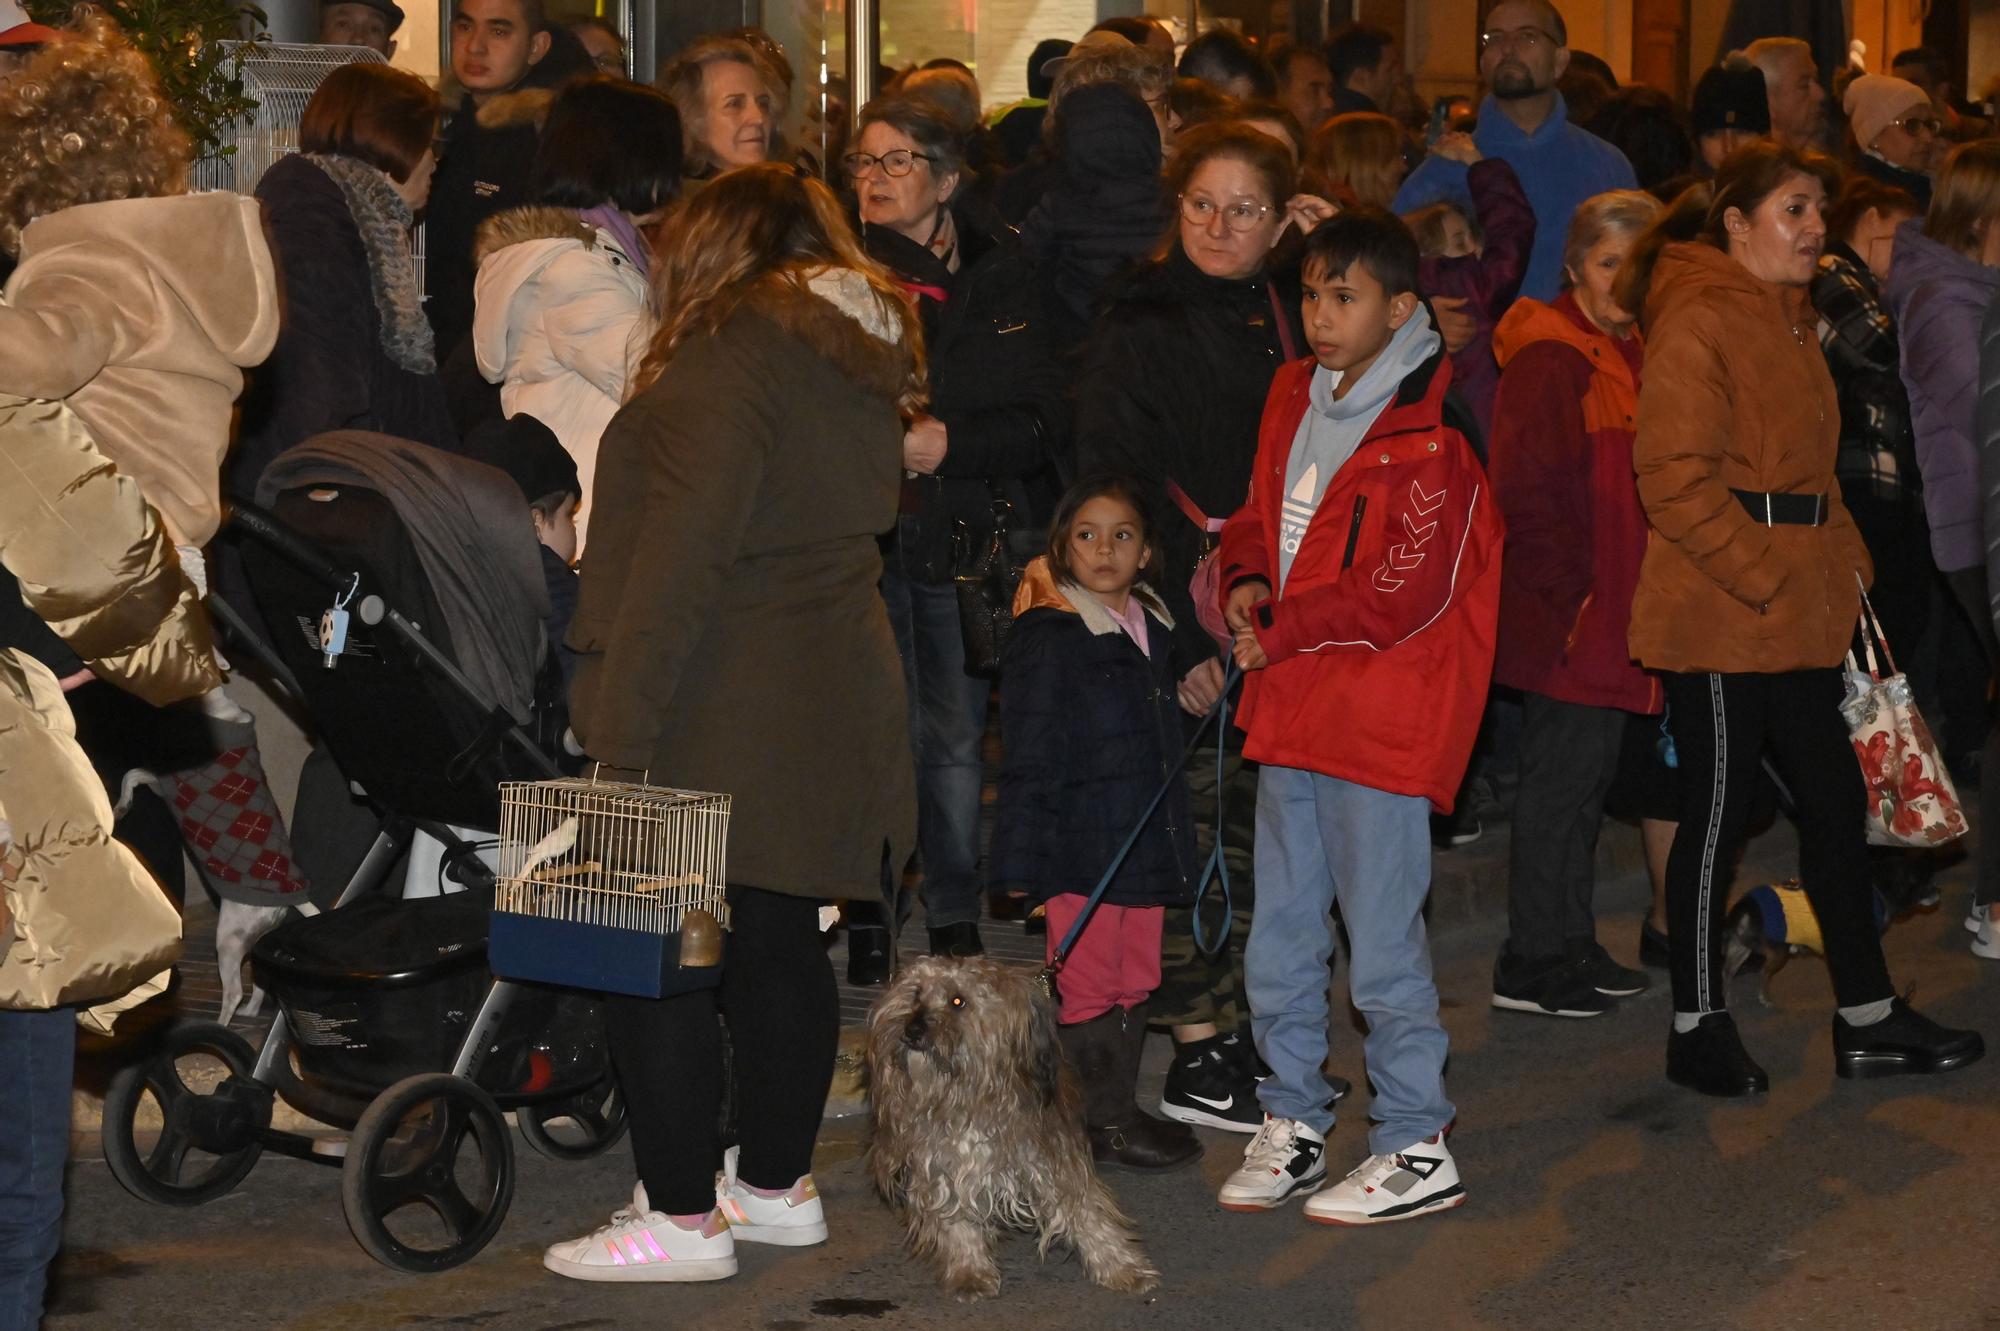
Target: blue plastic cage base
[{"x": 592, "y": 956}]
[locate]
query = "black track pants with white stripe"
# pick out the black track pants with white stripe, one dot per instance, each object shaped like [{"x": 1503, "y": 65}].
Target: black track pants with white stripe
[{"x": 1723, "y": 725}]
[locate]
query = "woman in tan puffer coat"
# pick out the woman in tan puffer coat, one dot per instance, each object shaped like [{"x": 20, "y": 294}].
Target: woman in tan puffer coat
[{"x": 1747, "y": 601}]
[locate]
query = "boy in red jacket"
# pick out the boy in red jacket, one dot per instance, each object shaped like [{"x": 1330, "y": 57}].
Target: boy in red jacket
[{"x": 1362, "y": 581}]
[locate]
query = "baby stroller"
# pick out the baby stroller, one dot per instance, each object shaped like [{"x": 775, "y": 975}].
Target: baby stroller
[{"x": 389, "y": 1022}]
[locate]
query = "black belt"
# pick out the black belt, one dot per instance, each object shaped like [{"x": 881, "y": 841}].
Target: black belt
[{"x": 1789, "y": 510}]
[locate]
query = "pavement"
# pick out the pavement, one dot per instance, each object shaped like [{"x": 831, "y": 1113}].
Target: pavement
[{"x": 1599, "y": 1195}]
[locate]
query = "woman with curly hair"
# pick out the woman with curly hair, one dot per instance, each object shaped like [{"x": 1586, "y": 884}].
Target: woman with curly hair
[{"x": 730, "y": 637}]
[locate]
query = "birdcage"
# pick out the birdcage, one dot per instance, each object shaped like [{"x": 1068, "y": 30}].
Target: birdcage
[
  {"x": 610, "y": 886},
  {"x": 281, "y": 78}
]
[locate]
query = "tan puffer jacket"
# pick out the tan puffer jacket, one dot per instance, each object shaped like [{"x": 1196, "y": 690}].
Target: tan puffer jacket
[{"x": 83, "y": 920}]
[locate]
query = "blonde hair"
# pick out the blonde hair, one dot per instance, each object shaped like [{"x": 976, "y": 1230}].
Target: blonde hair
[
  {"x": 1967, "y": 197},
  {"x": 1428, "y": 225},
  {"x": 1361, "y": 150},
  {"x": 760, "y": 226},
  {"x": 83, "y": 120},
  {"x": 686, "y": 76},
  {"x": 1145, "y": 73}
]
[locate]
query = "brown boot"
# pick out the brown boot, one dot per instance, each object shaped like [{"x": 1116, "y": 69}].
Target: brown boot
[{"x": 1103, "y": 1053}]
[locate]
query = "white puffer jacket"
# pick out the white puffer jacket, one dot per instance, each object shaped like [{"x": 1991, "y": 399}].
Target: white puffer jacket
[{"x": 560, "y": 321}]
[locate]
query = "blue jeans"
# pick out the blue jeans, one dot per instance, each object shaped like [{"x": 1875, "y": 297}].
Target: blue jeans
[
  {"x": 947, "y": 726},
  {"x": 37, "y": 1056},
  {"x": 1320, "y": 839}
]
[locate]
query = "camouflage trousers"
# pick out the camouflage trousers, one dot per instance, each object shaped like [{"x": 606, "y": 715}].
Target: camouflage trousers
[{"x": 1195, "y": 987}]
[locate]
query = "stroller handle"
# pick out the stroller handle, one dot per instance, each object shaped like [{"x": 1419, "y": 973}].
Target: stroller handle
[{"x": 260, "y": 524}]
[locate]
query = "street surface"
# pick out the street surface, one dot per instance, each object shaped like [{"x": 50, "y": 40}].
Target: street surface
[{"x": 1600, "y": 1196}]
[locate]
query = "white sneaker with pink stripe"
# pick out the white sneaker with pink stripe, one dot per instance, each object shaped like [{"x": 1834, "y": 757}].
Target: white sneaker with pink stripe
[
  {"x": 641, "y": 1244},
  {"x": 794, "y": 1219}
]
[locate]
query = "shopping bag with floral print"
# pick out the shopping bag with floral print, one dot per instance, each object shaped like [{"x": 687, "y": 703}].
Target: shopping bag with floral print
[{"x": 1911, "y": 800}]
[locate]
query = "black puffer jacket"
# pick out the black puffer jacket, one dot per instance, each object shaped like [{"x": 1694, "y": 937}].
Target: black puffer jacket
[
  {"x": 1173, "y": 387},
  {"x": 1090, "y": 727},
  {"x": 995, "y": 384},
  {"x": 328, "y": 371},
  {"x": 1104, "y": 208},
  {"x": 1917, "y": 183},
  {"x": 488, "y": 159}
]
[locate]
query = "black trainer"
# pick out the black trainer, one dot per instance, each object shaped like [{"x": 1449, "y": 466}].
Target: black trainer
[
  {"x": 1208, "y": 1088},
  {"x": 1653, "y": 948},
  {"x": 1240, "y": 1047},
  {"x": 1558, "y": 988},
  {"x": 1711, "y": 1059},
  {"x": 1902, "y": 1043},
  {"x": 1602, "y": 971},
  {"x": 867, "y": 955}
]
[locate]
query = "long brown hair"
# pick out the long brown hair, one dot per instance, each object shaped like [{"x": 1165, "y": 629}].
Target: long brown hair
[
  {"x": 1745, "y": 179},
  {"x": 763, "y": 225}
]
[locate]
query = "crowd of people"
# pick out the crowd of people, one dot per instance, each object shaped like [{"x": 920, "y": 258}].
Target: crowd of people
[{"x": 1542, "y": 445}]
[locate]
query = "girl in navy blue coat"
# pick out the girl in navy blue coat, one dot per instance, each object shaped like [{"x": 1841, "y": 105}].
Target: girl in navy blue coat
[{"x": 1090, "y": 728}]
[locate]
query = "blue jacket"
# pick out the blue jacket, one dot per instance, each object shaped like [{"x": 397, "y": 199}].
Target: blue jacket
[
  {"x": 1560, "y": 165},
  {"x": 1090, "y": 729}
]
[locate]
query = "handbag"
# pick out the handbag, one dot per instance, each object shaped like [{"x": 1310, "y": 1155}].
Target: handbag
[
  {"x": 1911, "y": 798},
  {"x": 987, "y": 564}
]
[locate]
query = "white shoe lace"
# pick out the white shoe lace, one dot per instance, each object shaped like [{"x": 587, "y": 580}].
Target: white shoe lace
[
  {"x": 1370, "y": 1172},
  {"x": 1273, "y": 1145}
]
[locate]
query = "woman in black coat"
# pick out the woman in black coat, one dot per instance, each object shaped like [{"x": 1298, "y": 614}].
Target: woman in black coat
[
  {"x": 994, "y": 423},
  {"x": 354, "y": 352},
  {"x": 1171, "y": 392}
]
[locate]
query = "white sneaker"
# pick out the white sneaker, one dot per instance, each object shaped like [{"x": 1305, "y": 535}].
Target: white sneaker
[
  {"x": 1285, "y": 1159},
  {"x": 1986, "y": 940},
  {"x": 642, "y": 1244},
  {"x": 1415, "y": 1180},
  {"x": 1975, "y": 918},
  {"x": 795, "y": 1220}
]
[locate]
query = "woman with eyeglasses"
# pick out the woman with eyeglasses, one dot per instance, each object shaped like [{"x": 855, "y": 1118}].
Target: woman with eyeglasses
[
  {"x": 1896, "y": 136},
  {"x": 1171, "y": 391},
  {"x": 1944, "y": 273},
  {"x": 982, "y": 450}
]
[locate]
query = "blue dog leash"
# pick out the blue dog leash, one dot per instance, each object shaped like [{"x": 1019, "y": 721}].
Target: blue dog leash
[{"x": 1218, "y": 712}]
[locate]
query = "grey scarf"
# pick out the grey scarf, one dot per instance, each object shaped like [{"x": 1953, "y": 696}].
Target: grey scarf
[{"x": 384, "y": 222}]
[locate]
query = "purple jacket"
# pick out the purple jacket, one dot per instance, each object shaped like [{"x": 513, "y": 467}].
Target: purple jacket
[
  {"x": 1488, "y": 281},
  {"x": 1938, "y": 297}
]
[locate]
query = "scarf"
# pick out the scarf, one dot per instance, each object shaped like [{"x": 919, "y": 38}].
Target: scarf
[
  {"x": 611, "y": 220},
  {"x": 384, "y": 222}
]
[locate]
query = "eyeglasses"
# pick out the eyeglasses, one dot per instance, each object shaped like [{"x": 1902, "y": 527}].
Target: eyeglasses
[
  {"x": 1239, "y": 216},
  {"x": 1523, "y": 39},
  {"x": 896, "y": 162},
  {"x": 1920, "y": 124}
]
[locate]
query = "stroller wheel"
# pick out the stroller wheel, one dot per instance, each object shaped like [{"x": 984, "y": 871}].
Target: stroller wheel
[
  {"x": 429, "y": 1173},
  {"x": 577, "y": 1128},
  {"x": 196, "y": 1086}
]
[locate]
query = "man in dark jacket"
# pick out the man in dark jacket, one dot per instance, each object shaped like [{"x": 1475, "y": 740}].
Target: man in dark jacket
[
  {"x": 1364, "y": 65},
  {"x": 498, "y": 48}
]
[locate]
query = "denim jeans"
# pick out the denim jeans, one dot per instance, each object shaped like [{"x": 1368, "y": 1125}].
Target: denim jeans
[
  {"x": 37, "y": 1055},
  {"x": 947, "y": 726},
  {"x": 1320, "y": 839}
]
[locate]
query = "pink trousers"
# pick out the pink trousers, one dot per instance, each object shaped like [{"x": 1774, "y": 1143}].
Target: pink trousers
[{"x": 1115, "y": 963}]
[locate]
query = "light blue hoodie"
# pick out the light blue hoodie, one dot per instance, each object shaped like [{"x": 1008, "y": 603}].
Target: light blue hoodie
[{"x": 1333, "y": 428}]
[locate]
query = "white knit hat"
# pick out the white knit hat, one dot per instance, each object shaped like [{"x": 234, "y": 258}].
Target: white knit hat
[{"x": 1876, "y": 101}]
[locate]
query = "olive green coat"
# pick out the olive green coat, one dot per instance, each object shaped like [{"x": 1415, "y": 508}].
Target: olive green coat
[{"x": 730, "y": 632}]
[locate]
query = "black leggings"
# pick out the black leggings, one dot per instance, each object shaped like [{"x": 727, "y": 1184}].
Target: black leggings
[
  {"x": 1722, "y": 725},
  {"x": 783, "y": 1010}
]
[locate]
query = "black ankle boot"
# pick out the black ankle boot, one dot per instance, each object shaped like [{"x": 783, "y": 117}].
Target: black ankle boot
[
  {"x": 1121, "y": 1136},
  {"x": 1711, "y": 1059},
  {"x": 867, "y": 955},
  {"x": 1904, "y": 1042}
]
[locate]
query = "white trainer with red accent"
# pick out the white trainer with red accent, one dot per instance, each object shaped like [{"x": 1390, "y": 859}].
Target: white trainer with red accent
[
  {"x": 1414, "y": 1181},
  {"x": 795, "y": 1219},
  {"x": 1286, "y": 1159},
  {"x": 641, "y": 1244}
]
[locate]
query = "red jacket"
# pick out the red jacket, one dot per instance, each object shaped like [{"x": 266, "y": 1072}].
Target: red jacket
[
  {"x": 1381, "y": 644},
  {"x": 1561, "y": 463}
]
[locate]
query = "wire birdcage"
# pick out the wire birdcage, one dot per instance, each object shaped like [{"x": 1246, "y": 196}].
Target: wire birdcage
[
  {"x": 610, "y": 886},
  {"x": 281, "y": 78}
]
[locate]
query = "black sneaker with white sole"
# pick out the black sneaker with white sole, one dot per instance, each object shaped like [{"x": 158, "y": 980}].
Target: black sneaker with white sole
[
  {"x": 1550, "y": 989},
  {"x": 1209, "y": 1088},
  {"x": 1607, "y": 976}
]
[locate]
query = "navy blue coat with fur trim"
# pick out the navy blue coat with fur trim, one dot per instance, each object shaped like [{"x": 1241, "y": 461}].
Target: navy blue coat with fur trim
[{"x": 1090, "y": 727}]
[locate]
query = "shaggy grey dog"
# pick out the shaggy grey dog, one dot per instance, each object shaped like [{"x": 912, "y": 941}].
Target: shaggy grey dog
[{"x": 977, "y": 1127}]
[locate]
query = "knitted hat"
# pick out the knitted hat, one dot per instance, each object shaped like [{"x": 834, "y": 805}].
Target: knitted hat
[
  {"x": 1875, "y": 101},
  {"x": 1731, "y": 98},
  {"x": 529, "y": 452}
]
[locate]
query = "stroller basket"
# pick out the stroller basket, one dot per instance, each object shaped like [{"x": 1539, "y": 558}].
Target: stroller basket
[{"x": 610, "y": 886}]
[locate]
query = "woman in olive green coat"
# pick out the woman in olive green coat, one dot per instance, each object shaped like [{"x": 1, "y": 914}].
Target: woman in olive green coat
[{"x": 731, "y": 639}]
